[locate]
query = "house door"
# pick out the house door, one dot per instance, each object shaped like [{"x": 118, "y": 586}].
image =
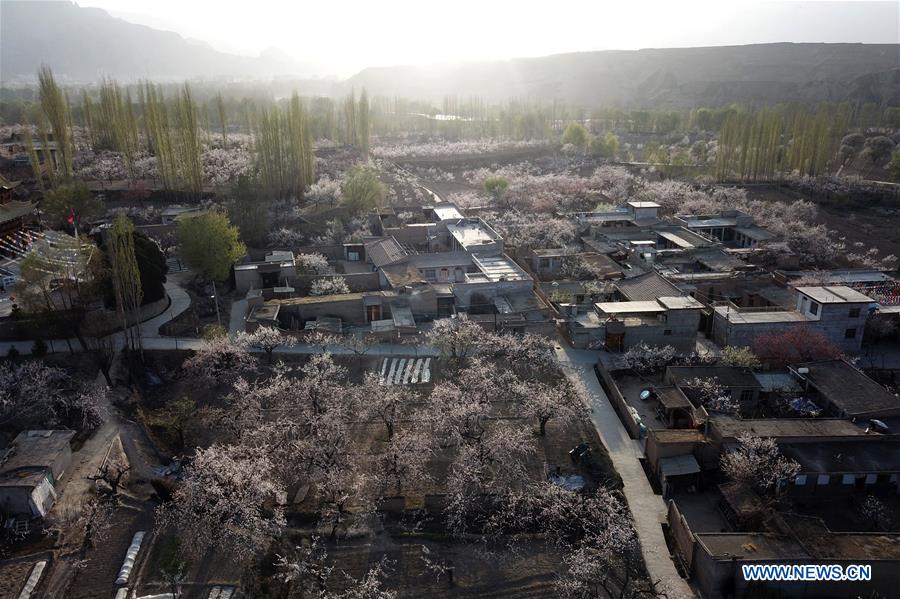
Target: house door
[{"x": 373, "y": 313}]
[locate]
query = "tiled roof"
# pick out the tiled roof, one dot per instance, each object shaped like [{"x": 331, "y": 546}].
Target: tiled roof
[
  {"x": 385, "y": 251},
  {"x": 646, "y": 287}
]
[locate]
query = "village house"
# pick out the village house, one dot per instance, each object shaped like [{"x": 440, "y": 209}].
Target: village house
[
  {"x": 731, "y": 227},
  {"x": 838, "y": 312},
  {"x": 457, "y": 265},
  {"x": 844, "y": 391},
  {"x": 617, "y": 326},
  {"x": 273, "y": 271},
  {"x": 30, "y": 471}
]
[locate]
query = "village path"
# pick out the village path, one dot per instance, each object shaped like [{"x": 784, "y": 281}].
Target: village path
[{"x": 647, "y": 508}]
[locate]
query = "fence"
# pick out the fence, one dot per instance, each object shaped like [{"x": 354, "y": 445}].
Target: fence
[{"x": 618, "y": 401}]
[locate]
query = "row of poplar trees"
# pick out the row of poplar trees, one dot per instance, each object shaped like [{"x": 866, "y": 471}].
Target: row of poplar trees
[
  {"x": 766, "y": 144},
  {"x": 169, "y": 128}
]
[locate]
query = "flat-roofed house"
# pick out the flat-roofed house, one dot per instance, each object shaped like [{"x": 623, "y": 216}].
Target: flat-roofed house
[
  {"x": 620, "y": 325},
  {"x": 838, "y": 312}
]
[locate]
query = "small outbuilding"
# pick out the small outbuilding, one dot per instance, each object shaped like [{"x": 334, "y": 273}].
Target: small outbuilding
[{"x": 30, "y": 470}]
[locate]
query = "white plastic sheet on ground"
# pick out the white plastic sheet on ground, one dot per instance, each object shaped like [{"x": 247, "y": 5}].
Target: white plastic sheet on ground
[
  {"x": 130, "y": 557},
  {"x": 33, "y": 579}
]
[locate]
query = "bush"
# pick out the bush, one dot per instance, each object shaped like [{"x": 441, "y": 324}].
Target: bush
[
  {"x": 213, "y": 331},
  {"x": 13, "y": 353},
  {"x": 39, "y": 349}
]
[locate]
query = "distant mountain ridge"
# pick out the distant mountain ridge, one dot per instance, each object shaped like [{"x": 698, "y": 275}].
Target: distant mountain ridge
[
  {"x": 673, "y": 78},
  {"x": 86, "y": 44}
]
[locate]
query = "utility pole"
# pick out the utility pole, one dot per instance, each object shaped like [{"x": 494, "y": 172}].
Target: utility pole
[{"x": 215, "y": 298}]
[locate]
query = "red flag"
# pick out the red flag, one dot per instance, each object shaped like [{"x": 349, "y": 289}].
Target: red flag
[{"x": 71, "y": 217}]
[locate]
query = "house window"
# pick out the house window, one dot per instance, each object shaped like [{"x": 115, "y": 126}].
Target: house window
[
  {"x": 854, "y": 313},
  {"x": 667, "y": 332},
  {"x": 800, "y": 480},
  {"x": 746, "y": 395},
  {"x": 850, "y": 334},
  {"x": 545, "y": 263},
  {"x": 871, "y": 478},
  {"x": 429, "y": 274},
  {"x": 813, "y": 308},
  {"x": 823, "y": 479},
  {"x": 848, "y": 479}
]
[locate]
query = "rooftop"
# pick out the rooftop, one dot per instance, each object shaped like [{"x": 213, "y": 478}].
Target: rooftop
[
  {"x": 850, "y": 390},
  {"x": 398, "y": 275},
  {"x": 500, "y": 268},
  {"x": 15, "y": 209},
  {"x": 750, "y": 546},
  {"x": 839, "y": 294},
  {"x": 676, "y": 239},
  {"x": 759, "y": 317},
  {"x": 472, "y": 232},
  {"x": 677, "y": 435},
  {"x": 876, "y": 454},
  {"x": 441, "y": 259},
  {"x": 635, "y": 204},
  {"x": 682, "y": 302},
  {"x": 730, "y": 376},
  {"x": 385, "y": 251},
  {"x": 446, "y": 212},
  {"x": 30, "y": 454},
  {"x": 728, "y": 427},
  {"x": 646, "y": 287},
  {"x": 629, "y": 307}
]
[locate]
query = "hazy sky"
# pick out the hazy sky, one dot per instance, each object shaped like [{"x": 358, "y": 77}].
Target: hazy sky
[{"x": 349, "y": 35}]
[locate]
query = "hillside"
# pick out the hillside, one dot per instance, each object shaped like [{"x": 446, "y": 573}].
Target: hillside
[
  {"x": 673, "y": 78},
  {"x": 85, "y": 44}
]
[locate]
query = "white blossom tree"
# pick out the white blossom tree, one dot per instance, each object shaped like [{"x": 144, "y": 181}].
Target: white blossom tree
[
  {"x": 711, "y": 394},
  {"x": 220, "y": 361},
  {"x": 336, "y": 285},
  {"x": 34, "y": 395},
  {"x": 226, "y": 501},
  {"x": 646, "y": 358},
  {"x": 528, "y": 355},
  {"x": 758, "y": 462},
  {"x": 561, "y": 400},
  {"x": 387, "y": 403},
  {"x": 455, "y": 338},
  {"x": 267, "y": 339},
  {"x": 314, "y": 263}
]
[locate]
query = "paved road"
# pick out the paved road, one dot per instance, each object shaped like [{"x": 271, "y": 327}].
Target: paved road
[
  {"x": 648, "y": 509},
  {"x": 179, "y": 301}
]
